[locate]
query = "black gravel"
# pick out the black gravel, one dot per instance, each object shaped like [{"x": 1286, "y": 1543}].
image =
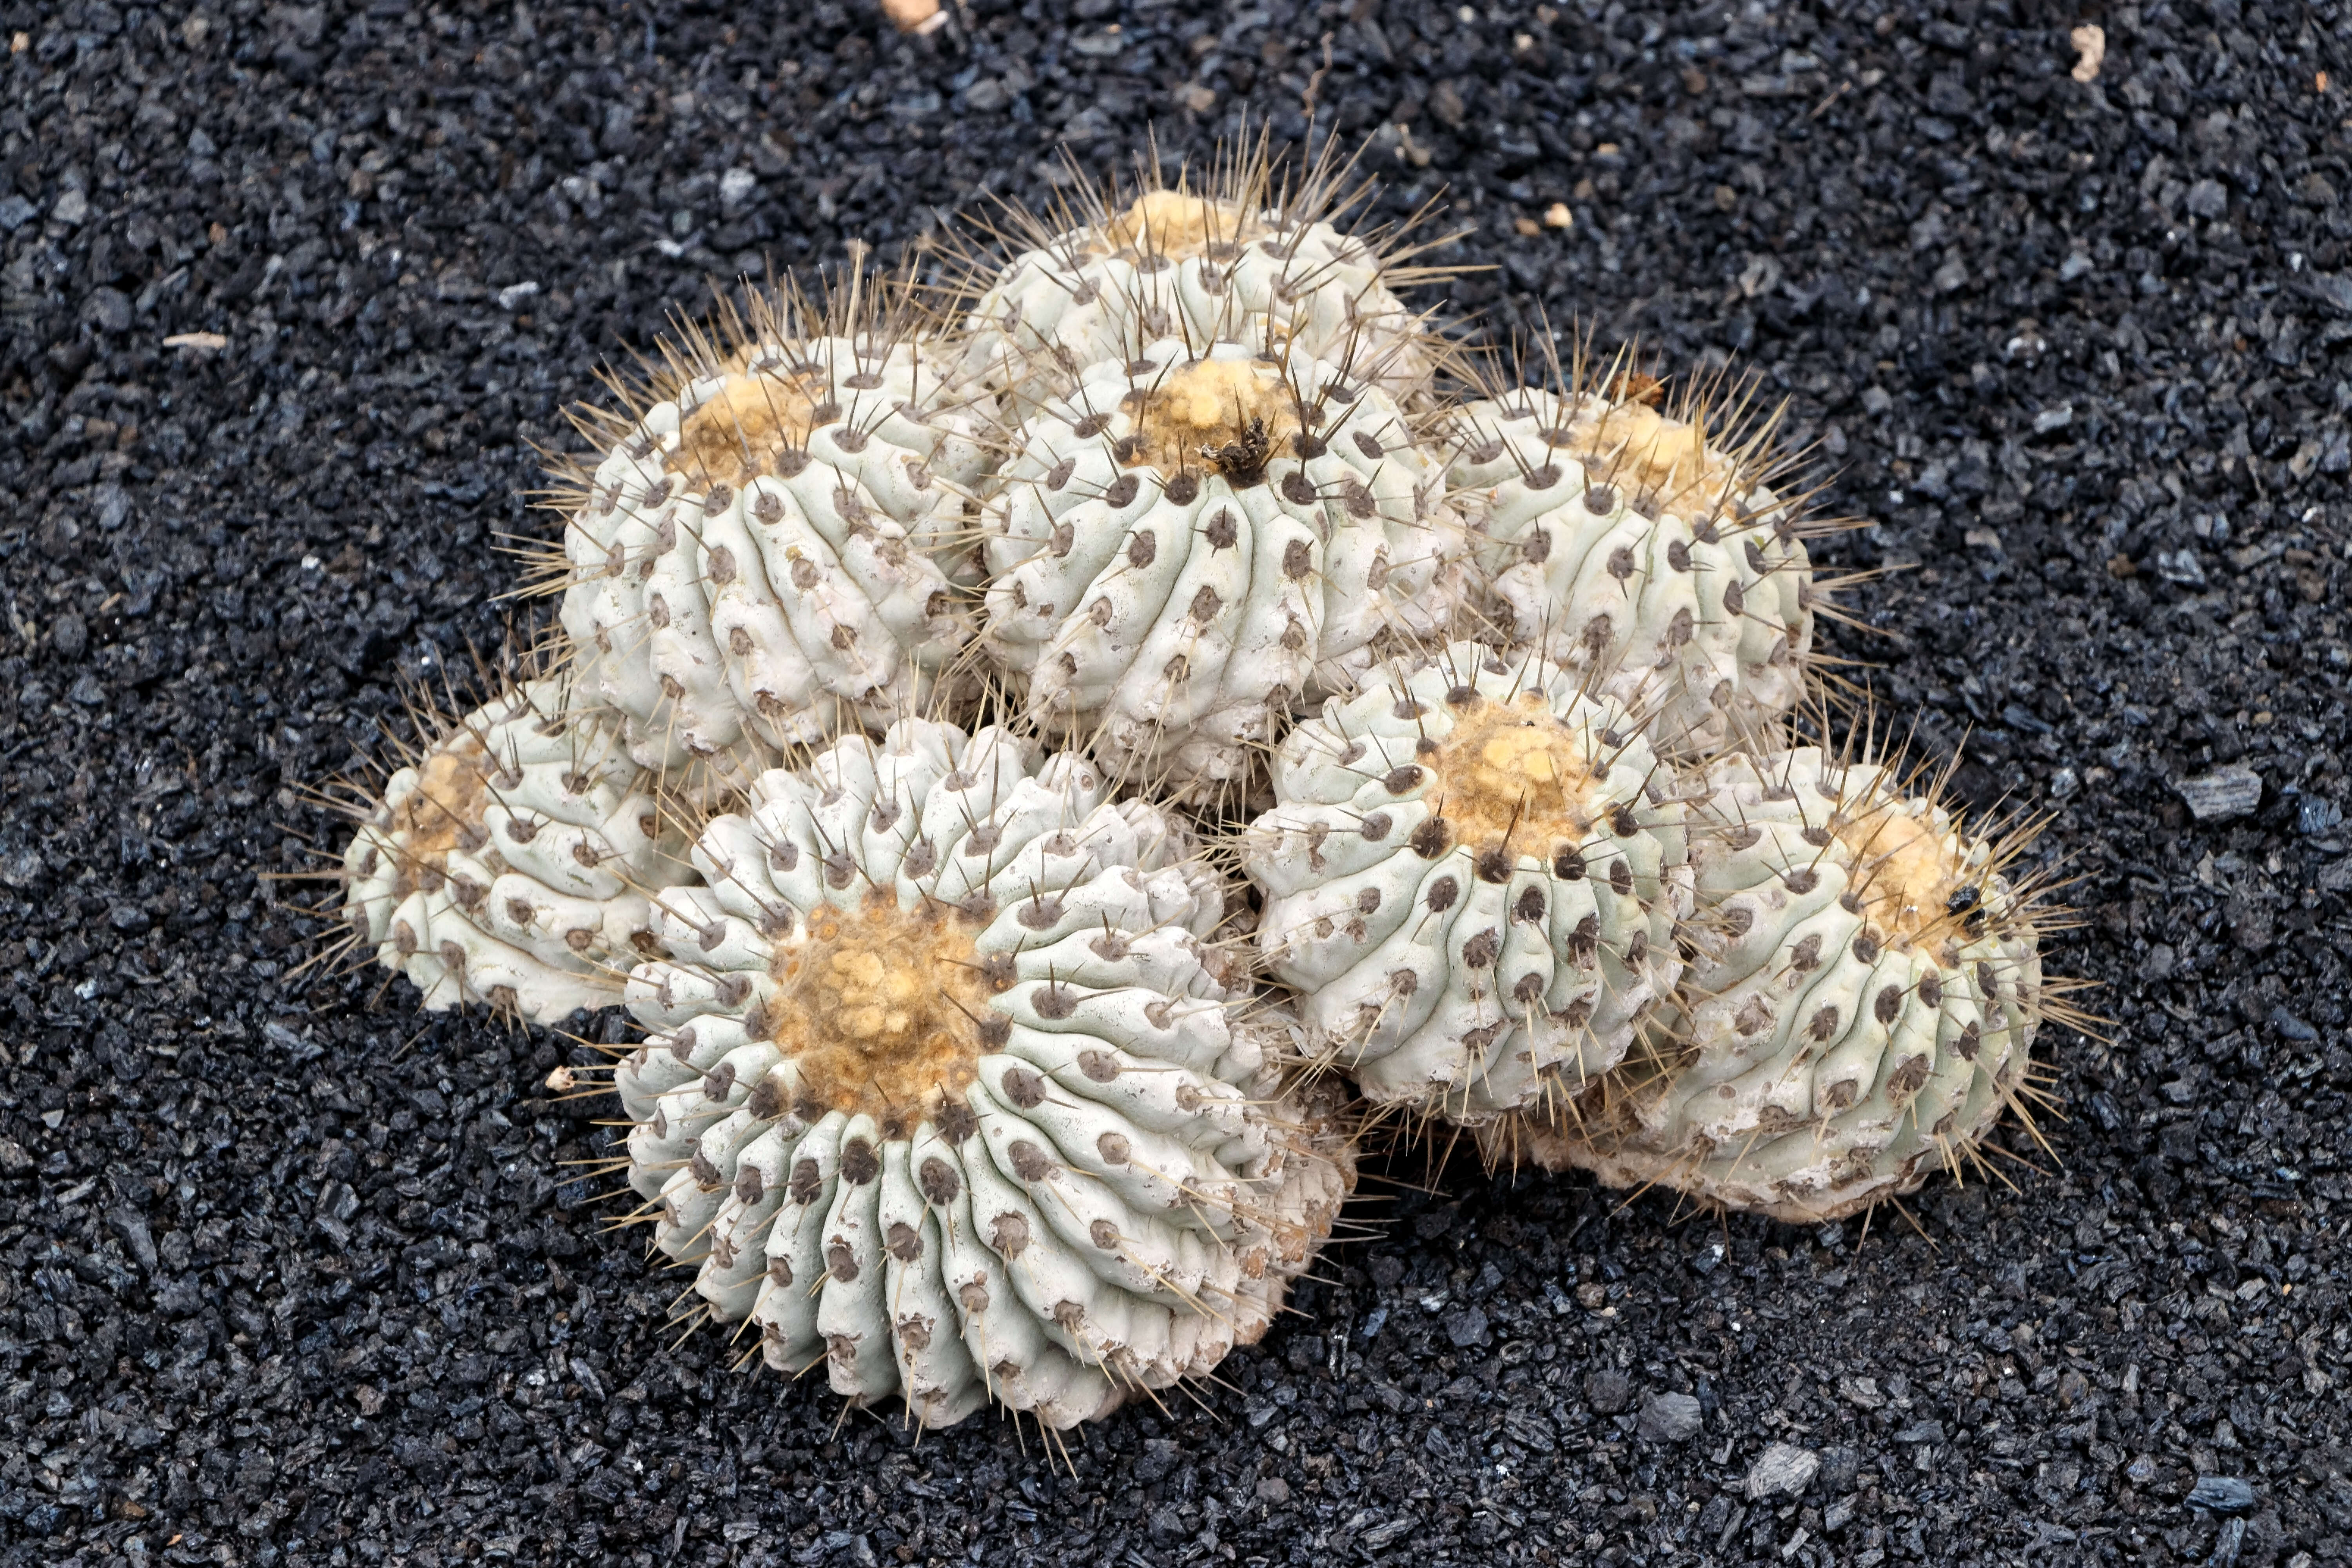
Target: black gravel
[{"x": 293, "y": 1277}]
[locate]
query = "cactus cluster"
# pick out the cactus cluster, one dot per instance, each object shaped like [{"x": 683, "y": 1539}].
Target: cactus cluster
[{"x": 921, "y": 676}]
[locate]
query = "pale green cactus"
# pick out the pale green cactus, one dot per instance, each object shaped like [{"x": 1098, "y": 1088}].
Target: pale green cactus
[
  {"x": 510, "y": 863},
  {"x": 1195, "y": 540},
  {"x": 780, "y": 548},
  {"x": 948, "y": 1089},
  {"x": 1238, "y": 261},
  {"x": 1864, "y": 988},
  {"x": 1473, "y": 879},
  {"x": 1629, "y": 548}
]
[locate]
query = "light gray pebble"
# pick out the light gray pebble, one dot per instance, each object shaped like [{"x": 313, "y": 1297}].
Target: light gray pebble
[
  {"x": 1669, "y": 1418},
  {"x": 1783, "y": 1467}
]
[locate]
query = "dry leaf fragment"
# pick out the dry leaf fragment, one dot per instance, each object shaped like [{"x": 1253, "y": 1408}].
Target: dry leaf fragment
[
  {"x": 2090, "y": 41},
  {"x": 1634, "y": 387},
  {"x": 914, "y": 15}
]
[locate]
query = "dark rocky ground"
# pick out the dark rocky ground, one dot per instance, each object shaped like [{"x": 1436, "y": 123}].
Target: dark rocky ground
[{"x": 290, "y": 1279}]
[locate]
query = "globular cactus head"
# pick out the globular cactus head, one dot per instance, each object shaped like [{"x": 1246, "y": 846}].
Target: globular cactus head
[
  {"x": 1644, "y": 547},
  {"x": 1258, "y": 252},
  {"x": 509, "y": 861},
  {"x": 1863, "y": 993},
  {"x": 949, "y": 1088},
  {"x": 774, "y": 543},
  {"x": 1473, "y": 878},
  {"x": 1194, "y": 539}
]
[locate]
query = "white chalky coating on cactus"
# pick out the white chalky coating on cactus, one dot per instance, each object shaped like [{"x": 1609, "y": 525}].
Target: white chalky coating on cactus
[
  {"x": 1621, "y": 544},
  {"x": 770, "y": 557},
  {"x": 945, "y": 1089},
  {"x": 1860, "y": 1008},
  {"x": 1473, "y": 876},
  {"x": 511, "y": 863},
  {"x": 1177, "y": 560},
  {"x": 1204, "y": 269}
]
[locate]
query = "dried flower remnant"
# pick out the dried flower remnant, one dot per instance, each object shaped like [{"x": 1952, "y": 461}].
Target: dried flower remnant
[{"x": 2090, "y": 41}]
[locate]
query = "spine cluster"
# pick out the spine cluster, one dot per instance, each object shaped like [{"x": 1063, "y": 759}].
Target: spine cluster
[{"x": 905, "y": 662}]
